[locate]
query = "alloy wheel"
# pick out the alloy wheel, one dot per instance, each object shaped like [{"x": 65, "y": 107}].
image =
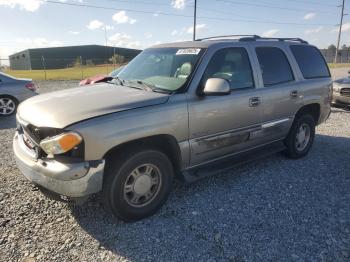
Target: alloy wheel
[{"x": 7, "y": 106}]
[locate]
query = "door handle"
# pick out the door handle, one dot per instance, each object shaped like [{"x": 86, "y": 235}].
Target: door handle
[
  {"x": 254, "y": 101},
  {"x": 294, "y": 94}
]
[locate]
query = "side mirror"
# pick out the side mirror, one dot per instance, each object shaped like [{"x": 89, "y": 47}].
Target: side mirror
[{"x": 217, "y": 87}]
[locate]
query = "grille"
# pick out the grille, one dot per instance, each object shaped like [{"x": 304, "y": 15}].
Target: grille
[
  {"x": 345, "y": 92},
  {"x": 36, "y": 134},
  {"x": 32, "y": 133}
]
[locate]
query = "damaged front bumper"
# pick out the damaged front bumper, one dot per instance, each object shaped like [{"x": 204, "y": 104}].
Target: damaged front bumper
[{"x": 71, "y": 179}]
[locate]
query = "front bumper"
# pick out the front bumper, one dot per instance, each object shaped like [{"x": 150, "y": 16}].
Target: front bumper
[
  {"x": 71, "y": 179},
  {"x": 339, "y": 99}
]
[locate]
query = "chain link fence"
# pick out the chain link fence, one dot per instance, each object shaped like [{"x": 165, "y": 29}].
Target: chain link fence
[
  {"x": 79, "y": 68},
  {"x": 60, "y": 68}
]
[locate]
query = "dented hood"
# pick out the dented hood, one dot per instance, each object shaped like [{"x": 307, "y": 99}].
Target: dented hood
[{"x": 62, "y": 108}]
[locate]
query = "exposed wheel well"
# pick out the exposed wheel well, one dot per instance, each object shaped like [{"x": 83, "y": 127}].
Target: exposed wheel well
[
  {"x": 313, "y": 109},
  {"x": 165, "y": 143}
]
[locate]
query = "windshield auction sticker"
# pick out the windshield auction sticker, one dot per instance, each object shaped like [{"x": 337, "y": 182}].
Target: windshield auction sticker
[{"x": 188, "y": 51}]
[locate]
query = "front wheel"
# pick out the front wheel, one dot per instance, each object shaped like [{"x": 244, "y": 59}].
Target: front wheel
[
  {"x": 136, "y": 185},
  {"x": 300, "y": 137}
]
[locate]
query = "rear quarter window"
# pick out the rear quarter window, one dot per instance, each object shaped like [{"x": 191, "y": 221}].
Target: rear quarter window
[{"x": 310, "y": 61}]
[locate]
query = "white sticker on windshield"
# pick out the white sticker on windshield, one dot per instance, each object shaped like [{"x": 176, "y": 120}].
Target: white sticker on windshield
[{"x": 188, "y": 51}]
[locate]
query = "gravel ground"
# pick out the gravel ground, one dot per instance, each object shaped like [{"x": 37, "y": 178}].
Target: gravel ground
[
  {"x": 339, "y": 72},
  {"x": 272, "y": 210}
]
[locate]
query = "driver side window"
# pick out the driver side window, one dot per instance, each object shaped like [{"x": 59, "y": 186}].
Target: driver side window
[{"x": 233, "y": 65}]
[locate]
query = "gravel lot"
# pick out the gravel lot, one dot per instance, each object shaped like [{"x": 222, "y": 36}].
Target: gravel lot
[{"x": 273, "y": 210}]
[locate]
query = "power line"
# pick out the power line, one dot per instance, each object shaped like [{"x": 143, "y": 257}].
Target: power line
[
  {"x": 167, "y": 5},
  {"x": 311, "y": 3},
  {"x": 188, "y": 16},
  {"x": 273, "y": 7}
]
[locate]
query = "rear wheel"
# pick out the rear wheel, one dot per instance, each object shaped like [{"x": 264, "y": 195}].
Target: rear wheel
[
  {"x": 8, "y": 105},
  {"x": 300, "y": 137},
  {"x": 136, "y": 185}
]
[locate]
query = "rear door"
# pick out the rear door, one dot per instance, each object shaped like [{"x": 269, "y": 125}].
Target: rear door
[{"x": 281, "y": 93}]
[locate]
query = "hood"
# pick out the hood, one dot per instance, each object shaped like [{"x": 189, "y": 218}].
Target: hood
[
  {"x": 62, "y": 108},
  {"x": 344, "y": 80}
]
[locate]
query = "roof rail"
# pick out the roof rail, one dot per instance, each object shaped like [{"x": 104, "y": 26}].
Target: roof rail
[
  {"x": 246, "y": 38},
  {"x": 274, "y": 39},
  {"x": 228, "y": 36}
]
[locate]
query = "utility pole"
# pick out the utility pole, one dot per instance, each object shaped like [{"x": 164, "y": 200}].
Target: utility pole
[
  {"x": 194, "y": 20},
  {"x": 44, "y": 65},
  {"x": 106, "y": 46},
  {"x": 340, "y": 28}
]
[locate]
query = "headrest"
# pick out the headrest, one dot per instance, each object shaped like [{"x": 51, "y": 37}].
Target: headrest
[{"x": 185, "y": 69}]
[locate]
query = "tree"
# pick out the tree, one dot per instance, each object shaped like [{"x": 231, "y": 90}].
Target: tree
[
  {"x": 344, "y": 47},
  {"x": 332, "y": 47},
  {"x": 117, "y": 59}
]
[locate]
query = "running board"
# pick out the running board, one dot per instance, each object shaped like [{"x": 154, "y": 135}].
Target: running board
[{"x": 194, "y": 174}]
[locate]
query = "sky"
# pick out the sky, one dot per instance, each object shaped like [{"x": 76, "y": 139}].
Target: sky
[{"x": 142, "y": 23}]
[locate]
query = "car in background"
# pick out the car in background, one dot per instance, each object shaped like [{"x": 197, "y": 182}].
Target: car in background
[
  {"x": 341, "y": 91},
  {"x": 101, "y": 78},
  {"x": 13, "y": 91}
]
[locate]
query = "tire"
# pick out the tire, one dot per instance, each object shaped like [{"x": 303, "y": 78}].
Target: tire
[
  {"x": 123, "y": 185},
  {"x": 296, "y": 149},
  {"x": 8, "y": 105}
]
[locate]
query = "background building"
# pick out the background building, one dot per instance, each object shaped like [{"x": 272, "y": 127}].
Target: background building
[{"x": 68, "y": 56}]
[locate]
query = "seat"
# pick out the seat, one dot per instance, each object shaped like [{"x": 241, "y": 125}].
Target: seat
[
  {"x": 226, "y": 70},
  {"x": 184, "y": 71}
]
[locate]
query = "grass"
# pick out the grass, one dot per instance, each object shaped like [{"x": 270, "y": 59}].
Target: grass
[
  {"x": 332, "y": 65},
  {"x": 78, "y": 73},
  {"x": 73, "y": 73}
]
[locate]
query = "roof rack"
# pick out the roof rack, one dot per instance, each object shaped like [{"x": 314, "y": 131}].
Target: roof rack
[
  {"x": 292, "y": 39},
  {"x": 228, "y": 36},
  {"x": 246, "y": 38}
]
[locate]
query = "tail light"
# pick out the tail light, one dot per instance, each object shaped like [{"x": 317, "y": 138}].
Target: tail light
[{"x": 31, "y": 86}]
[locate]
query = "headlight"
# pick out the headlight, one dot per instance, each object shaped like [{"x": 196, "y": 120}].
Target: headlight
[
  {"x": 336, "y": 88},
  {"x": 61, "y": 143}
]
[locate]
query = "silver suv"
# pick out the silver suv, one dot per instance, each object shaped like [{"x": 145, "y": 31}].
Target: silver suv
[{"x": 187, "y": 110}]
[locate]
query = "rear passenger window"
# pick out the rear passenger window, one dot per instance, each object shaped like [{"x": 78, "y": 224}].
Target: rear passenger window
[
  {"x": 233, "y": 65},
  {"x": 274, "y": 66},
  {"x": 310, "y": 61}
]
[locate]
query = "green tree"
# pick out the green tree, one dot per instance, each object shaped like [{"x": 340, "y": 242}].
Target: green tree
[{"x": 332, "y": 47}]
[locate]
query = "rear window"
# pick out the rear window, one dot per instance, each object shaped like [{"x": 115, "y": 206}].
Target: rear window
[
  {"x": 310, "y": 61},
  {"x": 274, "y": 66}
]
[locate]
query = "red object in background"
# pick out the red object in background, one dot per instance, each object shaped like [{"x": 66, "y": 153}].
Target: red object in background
[
  {"x": 31, "y": 86},
  {"x": 95, "y": 79}
]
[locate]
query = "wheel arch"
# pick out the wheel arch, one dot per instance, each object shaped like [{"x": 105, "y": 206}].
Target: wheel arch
[
  {"x": 10, "y": 96},
  {"x": 163, "y": 142},
  {"x": 313, "y": 108}
]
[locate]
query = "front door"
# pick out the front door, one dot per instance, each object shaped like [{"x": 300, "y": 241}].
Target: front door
[{"x": 221, "y": 125}]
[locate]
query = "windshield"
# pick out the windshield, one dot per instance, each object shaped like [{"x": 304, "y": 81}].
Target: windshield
[
  {"x": 116, "y": 72},
  {"x": 163, "y": 68}
]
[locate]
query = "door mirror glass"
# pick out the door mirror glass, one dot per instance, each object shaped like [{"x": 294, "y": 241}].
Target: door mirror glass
[{"x": 216, "y": 87}]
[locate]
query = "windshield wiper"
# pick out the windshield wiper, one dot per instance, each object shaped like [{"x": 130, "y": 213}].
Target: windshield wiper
[
  {"x": 139, "y": 85},
  {"x": 150, "y": 87},
  {"x": 121, "y": 81}
]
